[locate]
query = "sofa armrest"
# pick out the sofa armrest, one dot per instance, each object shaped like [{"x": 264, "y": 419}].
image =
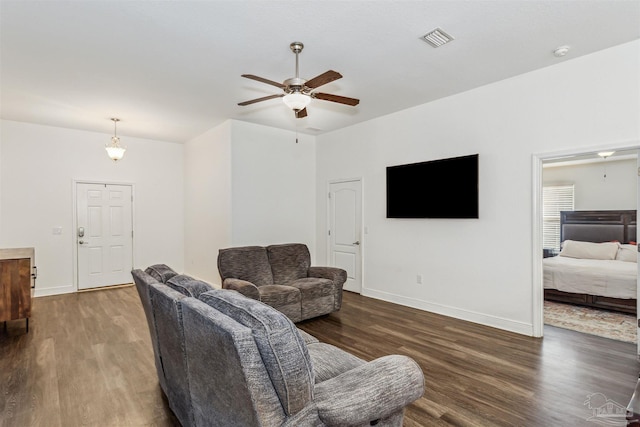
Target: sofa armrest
[
  {"x": 369, "y": 392},
  {"x": 247, "y": 289},
  {"x": 336, "y": 275}
]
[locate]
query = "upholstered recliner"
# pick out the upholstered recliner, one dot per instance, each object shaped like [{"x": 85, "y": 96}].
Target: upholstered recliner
[
  {"x": 232, "y": 361},
  {"x": 282, "y": 276},
  {"x": 255, "y": 369},
  {"x": 167, "y": 337}
]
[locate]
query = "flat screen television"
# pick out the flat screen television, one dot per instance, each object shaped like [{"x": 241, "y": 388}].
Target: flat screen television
[{"x": 443, "y": 188}]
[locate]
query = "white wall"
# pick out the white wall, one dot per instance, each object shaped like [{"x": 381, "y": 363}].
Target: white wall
[
  {"x": 246, "y": 184},
  {"x": 207, "y": 201},
  {"x": 273, "y": 186},
  {"x": 478, "y": 270},
  {"x": 37, "y": 169},
  {"x": 592, "y": 191}
]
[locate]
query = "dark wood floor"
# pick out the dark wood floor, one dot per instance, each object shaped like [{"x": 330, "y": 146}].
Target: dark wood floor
[{"x": 87, "y": 361}]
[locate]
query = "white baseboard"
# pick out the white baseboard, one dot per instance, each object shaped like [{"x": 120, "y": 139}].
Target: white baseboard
[
  {"x": 457, "y": 313},
  {"x": 57, "y": 290}
]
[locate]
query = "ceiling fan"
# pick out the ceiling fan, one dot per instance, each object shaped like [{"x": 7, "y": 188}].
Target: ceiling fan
[{"x": 297, "y": 92}]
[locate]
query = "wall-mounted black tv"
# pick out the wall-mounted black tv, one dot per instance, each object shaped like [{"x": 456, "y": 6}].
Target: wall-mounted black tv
[{"x": 443, "y": 188}]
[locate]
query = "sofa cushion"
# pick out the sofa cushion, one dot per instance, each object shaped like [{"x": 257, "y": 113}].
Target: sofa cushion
[
  {"x": 313, "y": 287},
  {"x": 279, "y": 295},
  {"x": 188, "y": 286},
  {"x": 281, "y": 347},
  {"x": 248, "y": 263},
  {"x": 286, "y": 299},
  {"x": 329, "y": 361},
  {"x": 307, "y": 337},
  {"x": 317, "y": 296},
  {"x": 289, "y": 262},
  {"x": 160, "y": 272}
]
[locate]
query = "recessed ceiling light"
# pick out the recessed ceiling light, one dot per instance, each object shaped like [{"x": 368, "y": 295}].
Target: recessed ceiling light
[
  {"x": 437, "y": 37},
  {"x": 605, "y": 154},
  {"x": 561, "y": 51}
]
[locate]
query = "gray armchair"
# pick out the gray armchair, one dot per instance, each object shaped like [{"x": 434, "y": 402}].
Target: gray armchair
[
  {"x": 282, "y": 276},
  {"x": 248, "y": 365},
  {"x": 163, "y": 311},
  {"x": 227, "y": 360}
]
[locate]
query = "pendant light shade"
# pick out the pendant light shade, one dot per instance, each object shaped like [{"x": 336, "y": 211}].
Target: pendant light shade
[
  {"x": 296, "y": 101},
  {"x": 115, "y": 150}
]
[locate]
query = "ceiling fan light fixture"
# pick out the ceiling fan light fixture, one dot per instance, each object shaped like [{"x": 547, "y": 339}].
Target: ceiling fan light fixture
[
  {"x": 296, "y": 101},
  {"x": 298, "y": 92}
]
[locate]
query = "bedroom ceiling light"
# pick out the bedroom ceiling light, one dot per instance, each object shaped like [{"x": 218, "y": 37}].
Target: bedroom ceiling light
[
  {"x": 605, "y": 154},
  {"x": 115, "y": 150}
]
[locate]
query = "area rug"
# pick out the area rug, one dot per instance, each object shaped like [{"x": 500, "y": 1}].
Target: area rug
[{"x": 608, "y": 324}]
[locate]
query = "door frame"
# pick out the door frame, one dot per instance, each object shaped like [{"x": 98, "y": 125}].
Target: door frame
[
  {"x": 537, "y": 292},
  {"x": 362, "y": 226},
  {"x": 74, "y": 226}
]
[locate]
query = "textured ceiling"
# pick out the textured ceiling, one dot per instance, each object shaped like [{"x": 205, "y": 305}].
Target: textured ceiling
[{"x": 170, "y": 70}]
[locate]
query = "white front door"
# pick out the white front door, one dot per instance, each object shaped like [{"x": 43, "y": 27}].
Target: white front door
[
  {"x": 104, "y": 236},
  {"x": 345, "y": 223}
]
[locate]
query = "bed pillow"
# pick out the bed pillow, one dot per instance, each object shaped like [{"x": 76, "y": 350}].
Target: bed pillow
[
  {"x": 627, "y": 253},
  {"x": 589, "y": 250}
]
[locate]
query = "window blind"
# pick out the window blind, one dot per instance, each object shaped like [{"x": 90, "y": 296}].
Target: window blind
[{"x": 555, "y": 198}]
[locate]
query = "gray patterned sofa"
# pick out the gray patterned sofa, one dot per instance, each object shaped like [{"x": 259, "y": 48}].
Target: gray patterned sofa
[
  {"x": 227, "y": 360},
  {"x": 282, "y": 276}
]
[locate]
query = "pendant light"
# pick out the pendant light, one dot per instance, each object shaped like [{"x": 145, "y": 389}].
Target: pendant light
[{"x": 115, "y": 150}]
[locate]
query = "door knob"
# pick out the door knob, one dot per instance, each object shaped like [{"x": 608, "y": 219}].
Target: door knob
[
  {"x": 357, "y": 243},
  {"x": 81, "y": 242}
]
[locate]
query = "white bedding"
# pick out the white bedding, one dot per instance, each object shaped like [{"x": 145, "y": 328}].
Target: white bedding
[{"x": 608, "y": 278}]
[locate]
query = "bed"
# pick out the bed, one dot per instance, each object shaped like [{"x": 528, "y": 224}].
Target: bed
[{"x": 597, "y": 266}]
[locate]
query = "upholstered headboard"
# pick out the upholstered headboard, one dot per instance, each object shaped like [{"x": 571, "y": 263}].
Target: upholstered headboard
[{"x": 598, "y": 226}]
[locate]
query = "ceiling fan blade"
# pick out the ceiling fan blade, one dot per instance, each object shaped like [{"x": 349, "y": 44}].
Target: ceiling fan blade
[
  {"x": 323, "y": 79},
  {"x": 264, "y": 98},
  {"x": 301, "y": 113},
  {"x": 263, "y": 80},
  {"x": 336, "y": 98}
]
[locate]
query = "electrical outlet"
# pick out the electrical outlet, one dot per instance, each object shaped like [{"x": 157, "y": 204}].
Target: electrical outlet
[{"x": 419, "y": 279}]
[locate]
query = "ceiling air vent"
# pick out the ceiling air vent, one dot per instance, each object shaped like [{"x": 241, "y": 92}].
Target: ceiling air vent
[{"x": 437, "y": 37}]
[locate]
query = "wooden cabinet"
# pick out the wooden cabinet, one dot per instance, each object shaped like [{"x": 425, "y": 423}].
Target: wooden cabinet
[{"x": 17, "y": 276}]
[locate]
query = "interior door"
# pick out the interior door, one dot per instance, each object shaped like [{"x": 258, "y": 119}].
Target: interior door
[
  {"x": 345, "y": 224},
  {"x": 104, "y": 236}
]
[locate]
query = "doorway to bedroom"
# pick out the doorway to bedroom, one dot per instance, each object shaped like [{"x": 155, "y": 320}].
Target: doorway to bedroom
[{"x": 589, "y": 261}]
